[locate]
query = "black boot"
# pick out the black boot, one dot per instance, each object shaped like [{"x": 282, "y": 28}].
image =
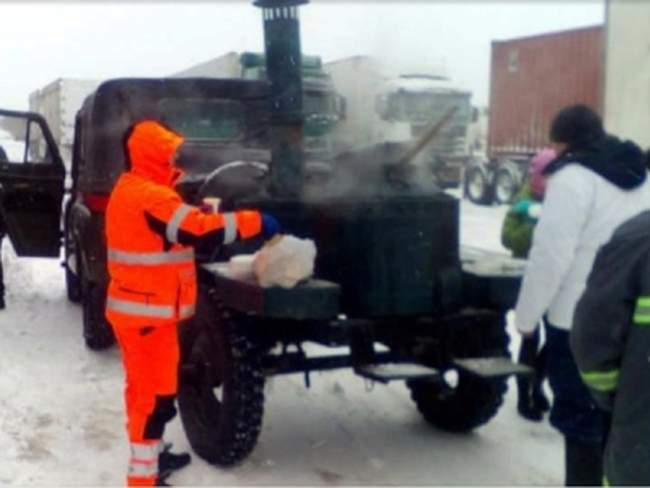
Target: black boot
[
  {"x": 160, "y": 481},
  {"x": 526, "y": 405},
  {"x": 2, "y": 303},
  {"x": 583, "y": 463},
  {"x": 539, "y": 399},
  {"x": 168, "y": 462}
]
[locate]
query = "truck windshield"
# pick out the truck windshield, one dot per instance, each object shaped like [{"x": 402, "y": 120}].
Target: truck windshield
[
  {"x": 428, "y": 107},
  {"x": 319, "y": 103},
  {"x": 213, "y": 120}
]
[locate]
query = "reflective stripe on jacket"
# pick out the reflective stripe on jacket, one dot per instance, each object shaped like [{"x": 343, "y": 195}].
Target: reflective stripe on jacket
[{"x": 151, "y": 233}]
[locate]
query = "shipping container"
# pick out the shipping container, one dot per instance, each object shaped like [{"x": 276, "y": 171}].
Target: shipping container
[
  {"x": 532, "y": 78},
  {"x": 627, "y": 74}
]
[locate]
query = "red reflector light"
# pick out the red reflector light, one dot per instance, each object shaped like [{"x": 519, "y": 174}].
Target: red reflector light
[{"x": 96, "y": 202}]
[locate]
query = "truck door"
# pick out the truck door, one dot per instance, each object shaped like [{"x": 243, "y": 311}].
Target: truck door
[{"x": 31, "y": 184}]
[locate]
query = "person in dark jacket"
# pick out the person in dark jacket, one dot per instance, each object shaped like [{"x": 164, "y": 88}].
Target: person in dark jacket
[
  {"x": 610, "y": 341},
  {"x": 2, "y": 283},
  {"x": 517, "y": 235},
  {"x": 3, "y": 157},
  {"x": 596, "y": 183}
]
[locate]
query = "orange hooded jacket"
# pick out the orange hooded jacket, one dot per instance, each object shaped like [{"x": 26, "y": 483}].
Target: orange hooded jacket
[{"x": 151, "y": 233}]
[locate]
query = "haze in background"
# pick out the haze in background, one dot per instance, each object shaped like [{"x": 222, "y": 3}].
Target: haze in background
[{"x": 40, "y": 42}]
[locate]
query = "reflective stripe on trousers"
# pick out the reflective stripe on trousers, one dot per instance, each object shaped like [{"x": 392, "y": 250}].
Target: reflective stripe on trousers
[
  {"x": 141, "y": 309},
  {"x": 144, "y": 459},
  {"x": 116, "y": 256}
]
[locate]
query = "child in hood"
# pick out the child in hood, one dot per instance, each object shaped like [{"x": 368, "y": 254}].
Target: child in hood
[{"x": 516, "y": 235}]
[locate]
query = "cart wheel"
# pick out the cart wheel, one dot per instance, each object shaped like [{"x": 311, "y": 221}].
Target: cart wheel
[
  {"x": 458, "y": 401},
  {"x": 221, "y": 388}
]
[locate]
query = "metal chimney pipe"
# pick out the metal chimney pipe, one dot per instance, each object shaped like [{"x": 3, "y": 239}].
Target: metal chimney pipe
[{"x": 283, "y": 69}]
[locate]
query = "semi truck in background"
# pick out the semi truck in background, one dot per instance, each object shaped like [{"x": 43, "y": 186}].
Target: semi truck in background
[
  {"x": 323, "y": 107},
  {"x": 398, "y": 107},
  {"x": 531, "y": 79}
]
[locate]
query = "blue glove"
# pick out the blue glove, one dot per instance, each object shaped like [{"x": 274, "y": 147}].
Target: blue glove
[{"x": 270, "y": 226}]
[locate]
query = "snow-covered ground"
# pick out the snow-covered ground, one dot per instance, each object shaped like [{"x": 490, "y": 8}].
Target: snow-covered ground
[{"x": 61, "y": 413}]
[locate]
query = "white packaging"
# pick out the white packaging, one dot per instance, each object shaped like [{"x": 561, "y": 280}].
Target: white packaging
[
  {"x": 285, "y": 261},
  {"x": 241, "y": 266}
]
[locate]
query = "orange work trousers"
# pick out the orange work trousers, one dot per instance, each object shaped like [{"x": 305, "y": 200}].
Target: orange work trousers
[{"x": 150, "y": 357}]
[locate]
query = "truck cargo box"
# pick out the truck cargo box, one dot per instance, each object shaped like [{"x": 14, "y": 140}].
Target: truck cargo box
[
  {"x": 59, "y": 102},
  {"x": 627, "y": 77},
  {"x": 534, "y": 77}
]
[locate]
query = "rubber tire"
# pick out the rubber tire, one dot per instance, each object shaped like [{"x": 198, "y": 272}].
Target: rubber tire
[
  {"x": 473, "y": 401},
  {"x": 486, "y": 197},
  {"x": 72, "y": 281},
  {"x": 97, "y": 332},
  {"x": 222, "y": 431},
  {"x": 501, "y": 199}
]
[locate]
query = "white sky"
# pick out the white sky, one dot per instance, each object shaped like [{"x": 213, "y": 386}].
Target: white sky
[{"x": 42, "y": 41}]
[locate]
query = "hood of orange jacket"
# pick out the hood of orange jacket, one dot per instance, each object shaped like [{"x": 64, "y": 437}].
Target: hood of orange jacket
[{"x": 151, "y": 147}]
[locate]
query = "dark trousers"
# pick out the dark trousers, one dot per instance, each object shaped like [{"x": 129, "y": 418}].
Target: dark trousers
[
  {"x": 574, "y": 413},
  {"x": 531, "y": 355},
  {"x": 2, "y": 281}
]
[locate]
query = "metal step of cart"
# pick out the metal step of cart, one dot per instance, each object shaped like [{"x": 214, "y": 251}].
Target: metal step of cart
[
  {"x": 492, "y": 367},
  {"x": 385, "y": 373}
]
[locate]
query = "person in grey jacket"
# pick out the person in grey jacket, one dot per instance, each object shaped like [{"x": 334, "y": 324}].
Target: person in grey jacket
[
  {"x": 610, "y": 341},
  {"x": 596, "y": 183}
]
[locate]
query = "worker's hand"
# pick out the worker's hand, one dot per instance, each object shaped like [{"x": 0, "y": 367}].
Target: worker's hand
[
  {"x": 270, "y": 226},
  {"x": 526, "y": 333},
  {"x": 210, "y": 205}
]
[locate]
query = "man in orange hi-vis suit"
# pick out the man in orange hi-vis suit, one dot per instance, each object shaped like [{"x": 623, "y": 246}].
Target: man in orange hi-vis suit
[{"x": 151, "y": 236}]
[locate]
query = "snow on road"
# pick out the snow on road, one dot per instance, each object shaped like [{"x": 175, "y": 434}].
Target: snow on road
[{"x": 62, "y": 421}]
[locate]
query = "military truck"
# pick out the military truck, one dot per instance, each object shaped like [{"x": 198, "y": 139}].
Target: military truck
[
  {"x": 323, "y": 107},
  {"x": 389, "y": 270}
]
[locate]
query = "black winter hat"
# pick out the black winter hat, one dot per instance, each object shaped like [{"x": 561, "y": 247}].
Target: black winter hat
[{"x": 578, "y": 126}]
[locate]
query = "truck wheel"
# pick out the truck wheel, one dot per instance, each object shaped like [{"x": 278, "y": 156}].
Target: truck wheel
[
  {"x": 469, "y": 401},
  {"x": 221, "y": 387},
  {"x": 97, "y": 332},
  {"x": 505, "y": 187},
  {"x": 477, "y": 187},
  {"x": 72, "y": 282}
]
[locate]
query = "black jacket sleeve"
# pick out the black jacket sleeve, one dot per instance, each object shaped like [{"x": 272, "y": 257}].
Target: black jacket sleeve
[{"x": 603, "y": 314}]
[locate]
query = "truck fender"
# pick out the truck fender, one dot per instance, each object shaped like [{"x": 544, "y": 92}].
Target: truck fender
[{"x": 85, "y": 228}]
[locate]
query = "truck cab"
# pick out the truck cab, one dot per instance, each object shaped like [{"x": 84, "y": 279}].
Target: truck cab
[
  {"x": 411, "y": 102},
  {"x": 323, "y": 107}
]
